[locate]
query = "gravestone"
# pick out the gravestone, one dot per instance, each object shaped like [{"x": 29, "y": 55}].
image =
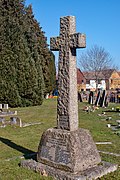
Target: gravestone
[
  {"x": 7, "y": 113},
  {"x": 2, "y": 120},
  {"x": 0, "y": 106},
  {"x": 112, "y": 97},
  {"x": 67, "y": 147},
  {"x": 72, "y": 150},
  {"x": 80, "y": 97},
  {"x": 16, "y": 121},
  {"x": 102, "y": 101},
  {"x": 106, "y": 101},
  {"x": 68, "y": 152},
  {"x": 90, "y": 100},
  {"x": 5, "y": 106},
  {"x": 59, "y": 141},
  {"x": 97, "y": 99},
  {"x": 118, "y": 97}
]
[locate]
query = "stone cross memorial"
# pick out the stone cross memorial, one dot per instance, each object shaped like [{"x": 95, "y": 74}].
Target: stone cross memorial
[
  {"x": 68, "y": 147},
  {"x": 66, "y": 44},
  {"x": 68, "y": 152}
]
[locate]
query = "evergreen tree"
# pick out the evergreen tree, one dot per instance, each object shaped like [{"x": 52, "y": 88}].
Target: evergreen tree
[
  {"x": 41, "y": 53},
  {"x": 16, "y": 60},
  {"x": 52, "y": 71},
  {"x": 8, "y": 86},
  {"x": 26, "y": 64},
  {"x": 31, "y": 35}
]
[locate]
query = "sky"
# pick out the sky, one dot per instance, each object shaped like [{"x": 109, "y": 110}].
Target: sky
[{"x": 98, "y": 19}]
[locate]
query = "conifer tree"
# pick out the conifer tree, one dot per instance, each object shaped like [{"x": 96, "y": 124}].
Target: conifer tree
[
  {"x": 26, "y": 64},
  {"x": 8, "y": 86},
  {"x": 41, "y": 53},
  {"x": 31, "y": 35},
  {"x": 19, "y": 58}
]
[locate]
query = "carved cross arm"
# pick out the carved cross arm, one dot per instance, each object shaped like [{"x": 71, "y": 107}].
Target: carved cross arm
[
  {"x": 78, "y": 40},
  {"x": 54, "y": 43}
]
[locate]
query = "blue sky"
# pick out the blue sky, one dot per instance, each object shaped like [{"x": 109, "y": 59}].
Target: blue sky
[{"x": 98, "y": 19}]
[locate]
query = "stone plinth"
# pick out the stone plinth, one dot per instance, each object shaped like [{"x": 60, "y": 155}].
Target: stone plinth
[
  {"x": 89, "y": 174},
  {"x": 71, "y": 151}
]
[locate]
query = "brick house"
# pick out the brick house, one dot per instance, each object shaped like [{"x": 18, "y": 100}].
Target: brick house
[
  {"x": 114, "y": 80},
  {"x": 108, "y": 79},
  {"x": 91, "y": 81},
  {"x": 81, "y": 81}
]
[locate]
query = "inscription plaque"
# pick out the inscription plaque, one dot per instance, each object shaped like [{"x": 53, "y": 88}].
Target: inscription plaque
[
  {"x": 56, "y": 150},
  {"x": 64, "y": 122}
]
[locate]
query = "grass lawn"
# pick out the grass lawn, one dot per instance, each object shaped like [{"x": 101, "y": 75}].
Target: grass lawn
[{"x": 17, "y": 142}]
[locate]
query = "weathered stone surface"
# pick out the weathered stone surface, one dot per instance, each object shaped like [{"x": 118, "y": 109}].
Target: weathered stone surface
[
  {"x": 66, "y": 43},
  {"x": 71, "y": 151},
  {"x": 67, "y": 152},
  {"x": 77, "y": 40},
  {"x": 89, "y": 174}
]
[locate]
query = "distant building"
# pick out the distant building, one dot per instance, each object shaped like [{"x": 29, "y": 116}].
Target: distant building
[
  {"x": 91, "y": 81},
  {"x": 107, "y": 80},
  {"x": 114, "y": 80},
  {"x": 81, "y": 81}
]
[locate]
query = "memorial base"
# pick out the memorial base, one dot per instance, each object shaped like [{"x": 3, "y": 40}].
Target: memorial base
[
  {"x": 89, "y": 174},
  {"x": 70, "y": 155},
  {"x": 71, "y": 151}
]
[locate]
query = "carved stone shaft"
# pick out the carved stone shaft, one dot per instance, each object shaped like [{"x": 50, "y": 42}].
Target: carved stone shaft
[{"x": 66, "y": 43}]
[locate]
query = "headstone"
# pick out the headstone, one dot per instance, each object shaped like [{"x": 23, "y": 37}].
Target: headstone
[
  {"x": 16, "y": 121},
  {"x": 7, "y": 113},
  {"x": 118, "y": 121},
  {"x": 90, "y": 100},
  {"x": 47, "y": 96},
  {"x": 79, "y": 97},
  {"x": 2, "y": 120},
  {"x": 67, "y": 152},
  {"x": 13, "y": 120},
  {"x": 106, "y": 101},
  {"x": 97, "y": 99},
  {"x": 102, "y": 101},
  {"x": 118, "y": 98},
  {"x": 5, "y": 106},
  {"x": 0, "y": 106},
  {"x": 112, "y": 97}
]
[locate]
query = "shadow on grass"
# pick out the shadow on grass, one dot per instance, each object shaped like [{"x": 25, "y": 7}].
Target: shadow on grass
[{"x": 26, "y": 152}]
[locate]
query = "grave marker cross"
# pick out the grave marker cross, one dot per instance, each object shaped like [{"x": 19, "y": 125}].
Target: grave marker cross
[
  {"x": 68, "y": 152},
  {"x": 66, "y": 44}
]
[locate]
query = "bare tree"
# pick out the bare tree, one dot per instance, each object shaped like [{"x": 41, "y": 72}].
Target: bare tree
[{"x": 95, "y": 60}]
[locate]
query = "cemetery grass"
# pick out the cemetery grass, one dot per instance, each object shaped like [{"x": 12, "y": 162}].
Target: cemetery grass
[{"x": 21, "y": 143}]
